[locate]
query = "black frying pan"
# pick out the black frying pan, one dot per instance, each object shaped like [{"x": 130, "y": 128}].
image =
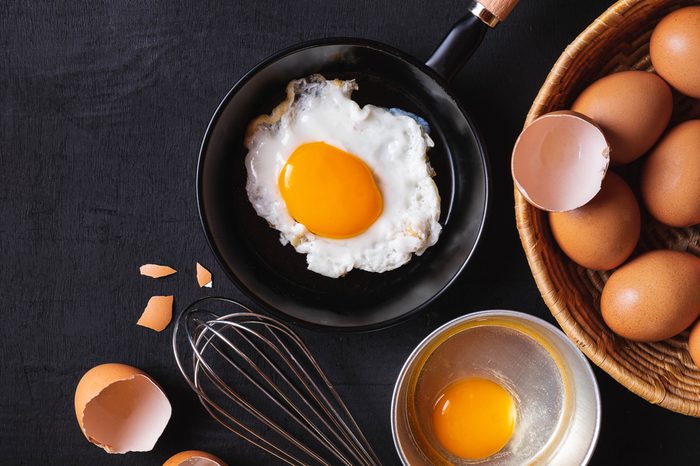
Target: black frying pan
[{"x": 275, "y": 276}]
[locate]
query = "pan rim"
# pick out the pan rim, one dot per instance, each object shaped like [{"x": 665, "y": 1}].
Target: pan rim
[{"x": 258, "y": 301}]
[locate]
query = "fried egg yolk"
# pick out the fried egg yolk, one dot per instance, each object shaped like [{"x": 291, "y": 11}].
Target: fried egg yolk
[
  {"x": 331, "y": 192},
  {"x": 474, "y": 418}
]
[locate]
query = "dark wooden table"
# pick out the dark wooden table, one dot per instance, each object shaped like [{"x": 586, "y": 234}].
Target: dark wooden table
[{"x": 102, "y": 108}]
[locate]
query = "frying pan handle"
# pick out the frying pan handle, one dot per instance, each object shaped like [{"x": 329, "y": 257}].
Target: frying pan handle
[
  {"x": 494, "y": 11},
  {"x": 465, "y": 36}
]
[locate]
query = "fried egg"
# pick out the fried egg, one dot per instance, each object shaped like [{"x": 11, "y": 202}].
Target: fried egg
[{"x": 349, "y": 186}]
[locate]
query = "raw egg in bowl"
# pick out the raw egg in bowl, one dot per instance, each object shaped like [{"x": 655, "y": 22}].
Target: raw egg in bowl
[{"x": 496, "y": 387}]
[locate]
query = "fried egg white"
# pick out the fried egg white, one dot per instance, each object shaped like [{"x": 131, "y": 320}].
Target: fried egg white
[{"x": 349, "y": 186}]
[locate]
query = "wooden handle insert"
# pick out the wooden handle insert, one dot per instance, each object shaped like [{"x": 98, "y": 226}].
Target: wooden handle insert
[{"x": 499, "y": 8}]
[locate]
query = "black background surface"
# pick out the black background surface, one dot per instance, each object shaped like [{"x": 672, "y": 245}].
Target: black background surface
[{"x": 102, "y": 108}]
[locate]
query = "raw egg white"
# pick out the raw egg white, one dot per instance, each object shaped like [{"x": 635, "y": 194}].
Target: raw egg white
[{"x": 349, "y": 186}]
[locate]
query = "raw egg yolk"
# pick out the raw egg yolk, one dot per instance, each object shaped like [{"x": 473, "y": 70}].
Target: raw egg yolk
[
  {"x": 330, "y": 191},
  {"x": 474, "y": 418}
]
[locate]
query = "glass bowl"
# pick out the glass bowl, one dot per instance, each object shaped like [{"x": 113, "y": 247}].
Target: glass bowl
[{"x": 555, "y": 391}]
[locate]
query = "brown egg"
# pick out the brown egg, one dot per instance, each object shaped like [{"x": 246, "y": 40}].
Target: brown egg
[
  {"x": 671, "y": 177},
  {"x": 675, "y": 50},
  {"x": 603, "y": 233},
  {"x": 694, "y": 343},
  {"x": 654, "y": 297},
  {"x": 193, "y": 458},
  {"x": 632, "y": 107}
]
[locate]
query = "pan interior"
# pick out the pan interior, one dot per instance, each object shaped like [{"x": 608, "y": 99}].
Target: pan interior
[{"x": 276, "y": 275}]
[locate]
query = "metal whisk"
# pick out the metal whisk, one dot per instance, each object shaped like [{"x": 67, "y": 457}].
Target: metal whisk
[{"x": 256, "y": 377}]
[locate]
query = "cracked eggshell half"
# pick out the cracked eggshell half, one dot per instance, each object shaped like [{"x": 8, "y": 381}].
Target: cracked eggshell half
[
  {"x": 120, "y": 408},
  {"x": 559, "y": 161},
  {"x": 194, "y": 458}
]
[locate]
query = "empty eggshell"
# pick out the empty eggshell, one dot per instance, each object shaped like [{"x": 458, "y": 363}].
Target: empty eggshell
[
  {"x": 632, "y": 107},
  {"x": 203, "y": 276},
  {"x": 158, "y": 313},
  {"x": 194, "y": 458},
  {"x": 602, "y": 234},
  {"x": 694, "y": 343},
  {"x": 156, "y": 271},
  {"x": 559, "y": 161},
  {"x": 120, "y": 408}
]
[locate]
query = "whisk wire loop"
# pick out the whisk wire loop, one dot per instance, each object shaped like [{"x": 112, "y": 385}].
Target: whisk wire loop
[{"x": 257, "y": 378}]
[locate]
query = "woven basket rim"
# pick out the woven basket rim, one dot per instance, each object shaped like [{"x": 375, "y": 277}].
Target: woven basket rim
[{"x": 612, "y": 17}]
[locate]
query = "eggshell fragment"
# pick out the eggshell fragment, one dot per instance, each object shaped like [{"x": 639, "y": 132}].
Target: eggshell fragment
[
  {"x": 156, "y": 271},
  {"x": 653, "y": 297},
  {"x": 694, "y": 343},
  {"x": 158, "y": 313},
  {"x": 120, "y": 408},
  {"x": 675, "y": 50},
  {"x": 194, "y": 458},
  {"x": 559, "y": 161},
  {"x": 670, "y": 181},
  {"x": 632, "y": 107},
  {"x": 602, "y": 234},
  {"x": 203, "y": 276}
]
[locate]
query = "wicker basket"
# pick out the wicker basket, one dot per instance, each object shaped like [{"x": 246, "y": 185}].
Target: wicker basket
[{"x": 663, "y": 372}]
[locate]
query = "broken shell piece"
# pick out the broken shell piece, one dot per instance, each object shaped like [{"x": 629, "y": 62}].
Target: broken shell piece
[
  {"x": 120, "y": 408},
  {"x": 156, "y": 271},
  {"x": 203, "y": 276},
  {"x": 194, "y": 458},
  {"x": 158, "y": 313},
  {"x": 559, "y": 161}
]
